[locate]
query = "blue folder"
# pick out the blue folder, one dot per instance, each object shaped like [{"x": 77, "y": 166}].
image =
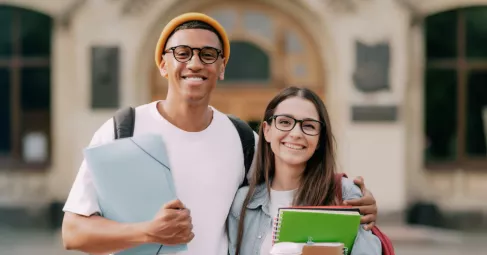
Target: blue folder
[{"x": 133, "y": 181}]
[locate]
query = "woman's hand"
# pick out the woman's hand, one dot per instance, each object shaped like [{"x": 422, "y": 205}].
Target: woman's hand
[{"x": 366, "y": 204}]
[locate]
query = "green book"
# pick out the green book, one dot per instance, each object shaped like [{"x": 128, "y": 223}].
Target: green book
[{"x": 317, "y": 225}]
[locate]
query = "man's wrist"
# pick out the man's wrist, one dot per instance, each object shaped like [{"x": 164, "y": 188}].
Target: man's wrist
[{"x": 139, "y": 233}]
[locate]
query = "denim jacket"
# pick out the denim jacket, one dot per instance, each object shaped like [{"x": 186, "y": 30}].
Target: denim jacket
[{"x": 258, "y": 222}]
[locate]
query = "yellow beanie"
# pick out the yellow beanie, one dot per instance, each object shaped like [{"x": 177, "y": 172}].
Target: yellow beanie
[{"x": 191, "y": 16}]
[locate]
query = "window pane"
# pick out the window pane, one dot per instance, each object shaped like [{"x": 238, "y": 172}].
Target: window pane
[
  {"x": 441, "y": 115},
  {"x": 226, "y": 17},
  {"x": 258, "y": 23},
  {"x": 35, "y": 114},
  {"x": 35, "y": 33},
  {"x": 441, "y": 35},
  {"x": 35, "y": 89},
  {"x": 293, "y": 43},
  {"x": 477, "y": 114},
  {"x": 248, "y": 63},
  {"x": 5, "y": 31},
  {"x": 4, "y": 111},
  {"x": 476, "y": 21}
]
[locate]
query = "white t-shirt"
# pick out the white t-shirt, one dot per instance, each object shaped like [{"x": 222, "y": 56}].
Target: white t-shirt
[
  {"x": 278, "y": 199},
  {"x": 207, "y": 168}
]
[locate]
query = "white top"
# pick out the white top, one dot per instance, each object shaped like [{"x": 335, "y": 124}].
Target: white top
[
  {"x": 207, "y": 167},
  {"x": 278, "y": 199}
]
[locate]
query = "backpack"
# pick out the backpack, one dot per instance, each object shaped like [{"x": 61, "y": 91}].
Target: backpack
[
  {"x": 124, "y": 124},
  {"x": 387, "y": 248}
]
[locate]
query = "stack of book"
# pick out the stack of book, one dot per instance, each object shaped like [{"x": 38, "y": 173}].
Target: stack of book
[{"x": 317, "y": 225}]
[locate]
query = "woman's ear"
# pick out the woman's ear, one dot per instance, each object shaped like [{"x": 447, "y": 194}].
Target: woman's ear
[{"x": 266, "y": 128}]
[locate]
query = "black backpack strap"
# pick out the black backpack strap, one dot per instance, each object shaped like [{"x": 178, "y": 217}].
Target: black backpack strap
[
  {"x": 124, "y": 122},
  {"x": 248, "y": 143}
]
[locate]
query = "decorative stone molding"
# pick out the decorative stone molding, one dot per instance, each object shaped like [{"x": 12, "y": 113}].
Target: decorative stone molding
[
  {"x": 65, "y": 17},
  {"x": 134, "y": 7},
  {"x": 344, "y": 6},
  {"x": 411, "y": 6}
]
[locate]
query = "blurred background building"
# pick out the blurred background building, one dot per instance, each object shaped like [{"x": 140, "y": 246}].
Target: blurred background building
[{"x": 405, "y": 82}]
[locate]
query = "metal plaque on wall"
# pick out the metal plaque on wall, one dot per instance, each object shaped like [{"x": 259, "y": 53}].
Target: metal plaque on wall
[
  {"x": 383, "y": 113},
  {"x": 372, "y": 67},
  {"x": 105, "y": 77}
]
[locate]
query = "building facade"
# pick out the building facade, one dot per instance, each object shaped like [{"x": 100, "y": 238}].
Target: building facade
[{"x": 405, "y": 82}]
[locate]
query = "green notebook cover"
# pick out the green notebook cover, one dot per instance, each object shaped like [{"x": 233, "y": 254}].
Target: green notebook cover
[{"x": 302, "y": 226}]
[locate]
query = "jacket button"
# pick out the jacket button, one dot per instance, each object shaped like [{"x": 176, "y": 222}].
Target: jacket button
[{"x": 259, "y": 237}]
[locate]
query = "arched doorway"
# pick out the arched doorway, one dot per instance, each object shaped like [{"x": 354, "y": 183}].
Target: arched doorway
[{"x": 269, "y": 52}]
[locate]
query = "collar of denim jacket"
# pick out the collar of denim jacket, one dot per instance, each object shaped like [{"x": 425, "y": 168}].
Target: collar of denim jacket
[{"x": 260, "y": 199}]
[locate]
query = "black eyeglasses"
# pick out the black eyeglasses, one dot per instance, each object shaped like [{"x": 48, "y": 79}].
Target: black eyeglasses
[
  {"x": 287, "y": 123},
  {"x": 184, "y": 53}
]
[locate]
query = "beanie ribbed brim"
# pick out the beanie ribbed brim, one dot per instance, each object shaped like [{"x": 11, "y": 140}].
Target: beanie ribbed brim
[{"x": 192, "y": 16}]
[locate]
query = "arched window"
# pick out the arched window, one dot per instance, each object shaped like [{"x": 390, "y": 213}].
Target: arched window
[
  {"x": 456, "y": 89},
  {"x": 25, "y": 79},
  {"x": 268, "y": 49},
  {"x": 248, "y": 64}
]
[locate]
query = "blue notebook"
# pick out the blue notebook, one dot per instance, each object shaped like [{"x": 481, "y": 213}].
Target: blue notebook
[{"x": 133, "y": 181}]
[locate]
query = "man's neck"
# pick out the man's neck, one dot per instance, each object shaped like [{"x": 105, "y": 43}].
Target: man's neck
[{"x": 190, "y": 118}]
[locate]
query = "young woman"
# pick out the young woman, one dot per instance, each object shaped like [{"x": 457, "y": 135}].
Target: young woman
[{"x": 295, "y": 165}]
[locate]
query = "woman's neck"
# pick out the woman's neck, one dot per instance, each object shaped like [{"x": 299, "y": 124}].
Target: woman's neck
[{"x": 286, "y": 177}]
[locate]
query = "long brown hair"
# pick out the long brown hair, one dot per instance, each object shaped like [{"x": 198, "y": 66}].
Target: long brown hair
[{"x": 317, "y": 182}]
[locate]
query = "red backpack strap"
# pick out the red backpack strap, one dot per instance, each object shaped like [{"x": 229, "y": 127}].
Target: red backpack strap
[{"x": 387, "y": 248}]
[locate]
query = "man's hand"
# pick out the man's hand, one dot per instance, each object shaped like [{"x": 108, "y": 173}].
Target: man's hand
[
  {"x": 171, "y": 225},
  {"x": 366, "y": 205}
]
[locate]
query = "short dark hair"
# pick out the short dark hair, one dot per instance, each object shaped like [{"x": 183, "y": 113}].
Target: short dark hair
[{"x": 195, "y": 24}]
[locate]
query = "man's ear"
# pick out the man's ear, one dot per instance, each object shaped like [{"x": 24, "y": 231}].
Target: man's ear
[
  {"x": 162, "y": 68},
  {"x": 222, "y": 71}
]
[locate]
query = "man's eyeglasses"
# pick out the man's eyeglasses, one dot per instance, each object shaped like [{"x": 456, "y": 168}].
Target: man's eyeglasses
[
  {"x": 184, "y": 53},
  {"x": 287, "y": 123}
]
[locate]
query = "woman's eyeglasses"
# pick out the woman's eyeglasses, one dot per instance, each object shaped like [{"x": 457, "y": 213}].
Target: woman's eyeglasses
[{"x": 287, "y": 123}]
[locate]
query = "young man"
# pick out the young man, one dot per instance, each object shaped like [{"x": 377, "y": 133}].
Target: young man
[{"x": 204, "y": 150}]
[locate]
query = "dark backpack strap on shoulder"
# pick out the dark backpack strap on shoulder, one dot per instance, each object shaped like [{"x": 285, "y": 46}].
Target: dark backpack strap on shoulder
[
  {"x": 248, "y": 142},
  {"x": 124, "y": 122}
]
